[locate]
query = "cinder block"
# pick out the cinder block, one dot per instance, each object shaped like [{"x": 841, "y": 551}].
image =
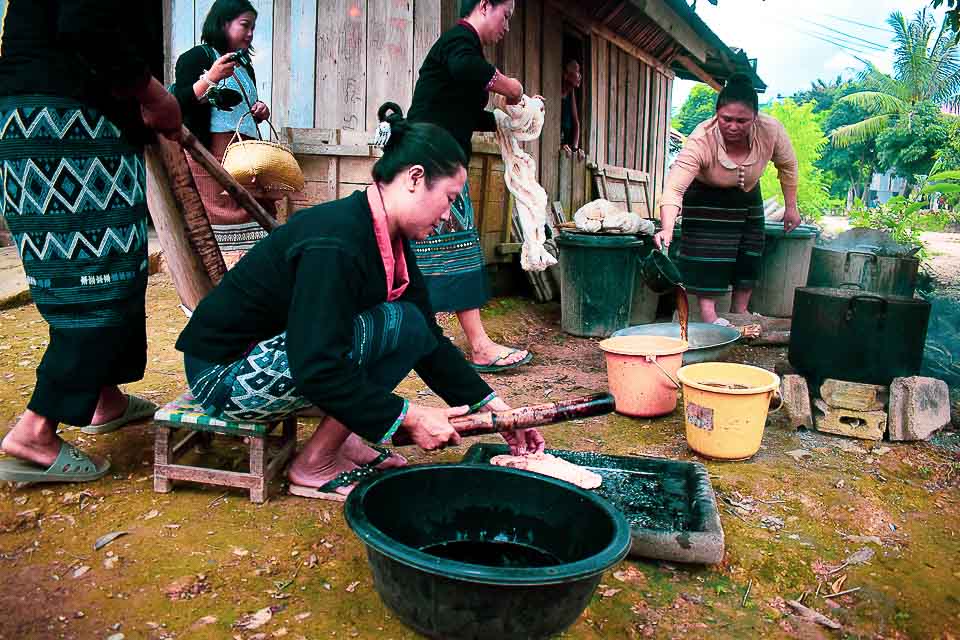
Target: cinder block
[
  {"x": 919, "y": 407},
  {"x": 796, "y": 401},
  {"x": 866, "y": 425},
  {"x": 841, "y": 394}
]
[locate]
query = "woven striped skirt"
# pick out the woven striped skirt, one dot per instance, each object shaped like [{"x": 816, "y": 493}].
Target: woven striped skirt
[
  {"x": 721, "y": 239},
  {"x": 74, "y": 199},
  {"x": 452, "y": 262}
]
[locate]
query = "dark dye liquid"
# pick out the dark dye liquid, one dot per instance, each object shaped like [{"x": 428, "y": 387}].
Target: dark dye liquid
[
  {"x": 493, "y": 554},
  {"x": 683, "y": 311}
]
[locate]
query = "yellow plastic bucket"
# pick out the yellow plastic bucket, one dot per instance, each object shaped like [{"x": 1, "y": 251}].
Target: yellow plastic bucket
[
  {"x": 725, "y": 407},
  {"x": 641, "y": 373}
]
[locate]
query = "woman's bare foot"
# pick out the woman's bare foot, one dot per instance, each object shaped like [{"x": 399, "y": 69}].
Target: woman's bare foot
[
  {"x": 34, "y": 439},
  {"x": 491, "y": 353},
  {"x": 320, "y": 470},
  {"x": 357, "y": 451},
  {"x": 111, "y": 405}
]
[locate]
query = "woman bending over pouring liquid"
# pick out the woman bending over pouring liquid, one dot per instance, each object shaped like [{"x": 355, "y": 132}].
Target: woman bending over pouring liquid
[
  {"x": 716, "y": 182},
  {"x": 331, "y": 310}
]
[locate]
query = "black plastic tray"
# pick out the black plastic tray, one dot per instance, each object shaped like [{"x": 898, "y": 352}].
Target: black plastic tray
[{"x": 670, "y": 504}]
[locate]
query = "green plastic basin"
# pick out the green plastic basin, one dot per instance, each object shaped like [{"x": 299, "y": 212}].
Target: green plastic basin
[{"x": 494, "y": 519}]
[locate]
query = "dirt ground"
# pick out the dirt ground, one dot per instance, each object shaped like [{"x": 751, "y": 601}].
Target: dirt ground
[{"x": 194, "y": 562}]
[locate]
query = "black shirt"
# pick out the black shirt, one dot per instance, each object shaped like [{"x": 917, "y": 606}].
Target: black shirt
[
  {"x": 83, "y": 49},
  {"x": 311, "y": 277},
  {"x": 451, "y": 90}
]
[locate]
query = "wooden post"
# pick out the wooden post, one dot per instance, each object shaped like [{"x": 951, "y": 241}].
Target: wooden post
[
  {"x": 189, "y": 277},
  {"x": 161, "y": 453},
  {"x": 195, "y": 217}
]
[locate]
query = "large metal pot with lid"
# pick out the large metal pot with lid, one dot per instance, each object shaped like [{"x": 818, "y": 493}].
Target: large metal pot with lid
[
  {"x": 864, "y": 267},
  {"x": 849, "y": 334}
]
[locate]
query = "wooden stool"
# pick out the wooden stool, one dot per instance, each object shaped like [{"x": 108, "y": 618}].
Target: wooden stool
[{"x": 185, "y": 413}]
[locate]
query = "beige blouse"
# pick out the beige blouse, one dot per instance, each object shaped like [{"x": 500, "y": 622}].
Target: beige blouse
[{"x": 704, "y": 157}]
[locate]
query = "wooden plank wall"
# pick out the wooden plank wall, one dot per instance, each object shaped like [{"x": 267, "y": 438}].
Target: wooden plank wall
[
  {"x": 329, "y": 64},
  {"x": 630, "y": 100}
]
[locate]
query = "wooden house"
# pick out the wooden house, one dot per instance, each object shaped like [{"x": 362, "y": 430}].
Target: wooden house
[{"x": 324, "y": 67}]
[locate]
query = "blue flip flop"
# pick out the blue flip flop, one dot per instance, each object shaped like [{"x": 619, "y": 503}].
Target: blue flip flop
[
  {"x": 329, "y": 489},
  {"x": 493, "y": 367},
  {"x": 71, "y": 465}
]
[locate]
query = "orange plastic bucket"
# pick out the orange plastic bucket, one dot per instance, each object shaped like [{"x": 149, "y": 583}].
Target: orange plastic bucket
[{"x": 642, "y": 373}]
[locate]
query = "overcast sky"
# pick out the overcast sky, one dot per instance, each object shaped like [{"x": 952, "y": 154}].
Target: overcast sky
[{"x": 788, "y": 37}]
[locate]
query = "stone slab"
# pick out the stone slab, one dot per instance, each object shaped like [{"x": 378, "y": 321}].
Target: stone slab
[
  {"x": 919, "y": 407},
  {"x": 841, "y": 394},
  {"x": 866, "y": 425}
]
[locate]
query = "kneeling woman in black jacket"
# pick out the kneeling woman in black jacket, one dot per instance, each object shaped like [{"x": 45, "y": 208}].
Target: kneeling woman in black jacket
[{"x": 331, "y": 310}]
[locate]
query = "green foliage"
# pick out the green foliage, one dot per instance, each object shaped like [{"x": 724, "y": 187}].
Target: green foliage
[
  {"x": 907, "y": 219},
  {"x": 910, "y": 147},
  {"x": 948, "y": 155},
  {"x": 808, "y": 141},
  {"x": 700, "y": 105},
  {"x": 852, "y": 165},
  {"x": 926, "y": 69}
]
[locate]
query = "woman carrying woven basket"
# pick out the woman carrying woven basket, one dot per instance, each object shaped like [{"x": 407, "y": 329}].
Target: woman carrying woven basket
[
  {"x": 331, "y": 310},
  {"x": 215, "y": 115}
]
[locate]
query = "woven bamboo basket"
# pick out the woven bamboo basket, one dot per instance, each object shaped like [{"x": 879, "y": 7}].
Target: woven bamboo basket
[{"x": 266, "y": 164}]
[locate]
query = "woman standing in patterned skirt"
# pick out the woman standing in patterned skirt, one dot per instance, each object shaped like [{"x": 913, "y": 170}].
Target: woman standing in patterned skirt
[
  {"x": 75, "y": 94},
  {"x": 716, "y": 180},
  {"x": 452, "y": 92}
]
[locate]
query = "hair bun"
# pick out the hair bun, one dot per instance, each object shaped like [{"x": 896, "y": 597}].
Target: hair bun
[
  {"x": 739, "y": 79},
  {"x": 390, "y": 112}
]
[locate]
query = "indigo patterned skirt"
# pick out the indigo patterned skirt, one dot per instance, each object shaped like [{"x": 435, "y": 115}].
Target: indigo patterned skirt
[
  {"x": 452, "y": 262},
  {"x": 388, "y": 340},
  {"x": 74, "y": 199},
  {"x": 721, "y": 239}
]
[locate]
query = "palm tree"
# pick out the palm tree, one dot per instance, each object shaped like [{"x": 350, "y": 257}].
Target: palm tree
[{"x": 923, "y": 71}]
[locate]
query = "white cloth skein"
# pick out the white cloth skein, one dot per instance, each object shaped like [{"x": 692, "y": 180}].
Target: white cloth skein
[{"x": 515, "y": 124}]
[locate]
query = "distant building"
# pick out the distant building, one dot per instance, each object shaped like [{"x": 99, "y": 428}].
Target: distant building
[{"x": 884, "y": 186}]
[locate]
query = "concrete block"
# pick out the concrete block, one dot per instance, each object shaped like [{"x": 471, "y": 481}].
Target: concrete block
[
  {"x": 866, "y": 425},
  {"x": 796, "y": 401},
  {"x": 919, "y": 407},
  {"x": 841, "y": 394}
]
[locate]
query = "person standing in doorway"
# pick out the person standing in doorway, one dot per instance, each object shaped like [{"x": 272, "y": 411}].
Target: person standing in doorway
[
  {"x": 569, "y": 111},
  {"x": 452, "y": 92}
]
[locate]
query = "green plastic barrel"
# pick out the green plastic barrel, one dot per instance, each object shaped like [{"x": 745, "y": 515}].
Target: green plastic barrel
[
  {"x": 786, "y": 259},
  {"x": 596, "y": 282}
]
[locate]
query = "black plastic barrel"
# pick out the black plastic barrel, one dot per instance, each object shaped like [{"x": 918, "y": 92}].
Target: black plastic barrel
[{"x": 597, "y": 281}]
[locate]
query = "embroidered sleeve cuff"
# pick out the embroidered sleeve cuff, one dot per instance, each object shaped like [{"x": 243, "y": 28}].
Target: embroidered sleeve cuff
[
  {"x": 397, "y": 422},
  {"x": 496, "y": 74},
  {"x": 480, "y": 405}
]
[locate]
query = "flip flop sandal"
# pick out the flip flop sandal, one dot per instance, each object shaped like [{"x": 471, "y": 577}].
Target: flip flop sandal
[
  {"x": 71, "y": 465},
  {"x": 385, "y": 454},
  {"x": 493, "y": 367},
  {"x": 328, "y": 491},
  {"x": 137, "y": 409}
]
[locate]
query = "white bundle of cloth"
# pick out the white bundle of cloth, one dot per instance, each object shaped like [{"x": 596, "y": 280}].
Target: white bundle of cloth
[
  {"x": 603, "y": 215},
  {"x": 515, "y": 124}
]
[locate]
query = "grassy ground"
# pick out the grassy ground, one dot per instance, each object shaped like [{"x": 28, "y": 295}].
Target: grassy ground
[{"x": 195, "y": 561}]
